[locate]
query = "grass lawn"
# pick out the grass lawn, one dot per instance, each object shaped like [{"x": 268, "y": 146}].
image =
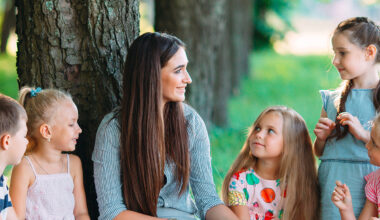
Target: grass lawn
[{"x": 274, "y": 79}]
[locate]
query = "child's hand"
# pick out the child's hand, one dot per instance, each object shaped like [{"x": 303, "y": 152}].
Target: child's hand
[
  {"x": 354, "y": 126},
  {"x": 341, "y": 197},
  {"x": 324, "y": 128}
]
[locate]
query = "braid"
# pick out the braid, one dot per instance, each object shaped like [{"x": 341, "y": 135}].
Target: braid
[
  {"x": 376, "y": 98},
  {"x": 338, "y": 133}
]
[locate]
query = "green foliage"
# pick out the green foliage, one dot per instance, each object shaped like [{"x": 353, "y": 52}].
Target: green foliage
[
  {"x": 271, "y": 20},
  {"x": 8, "y": 84},
  {"x": 8, "y": 76},
  {"x": 275, "y": 79}
]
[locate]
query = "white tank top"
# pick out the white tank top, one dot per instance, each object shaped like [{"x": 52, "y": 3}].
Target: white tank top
[{"x": 51, "y": 196}]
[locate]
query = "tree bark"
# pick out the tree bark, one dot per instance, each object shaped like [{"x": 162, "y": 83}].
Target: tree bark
[
  {"x": 200, "y": 26},
  {"x": 241, "y": 25},
  {"x": 78, "y": 46}
]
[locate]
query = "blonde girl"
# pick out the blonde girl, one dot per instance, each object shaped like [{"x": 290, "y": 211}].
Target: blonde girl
[
  {"x": 274, "y": 176},
  {"x": 344, "y": 124},
  {"x": 48, "y": 184},
  {"x": 341, "y": 196}
]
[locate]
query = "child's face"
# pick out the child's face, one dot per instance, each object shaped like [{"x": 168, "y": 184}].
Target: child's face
[
  {"x": 65, "y": 130},
  {"x": 266, "y": 140},
  {"x": 18, "y": 143},
  {"x": 349, "y": 59},
  {"x": 373, "y": 146}
]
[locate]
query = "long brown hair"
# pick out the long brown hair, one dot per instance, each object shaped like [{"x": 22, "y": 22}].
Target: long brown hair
[
  {"x": 150, "y": 136},
  {"x": 297, "y": 167},
  {"x": 362, "y": 32}
]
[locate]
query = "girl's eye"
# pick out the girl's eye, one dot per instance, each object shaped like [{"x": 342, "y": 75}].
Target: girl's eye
[
  {"x": 342, "y": 53},
  {"x": 257, "y": 128},
  {"x": 271, "y": 131},
  {"x": 373, "y": 143}
]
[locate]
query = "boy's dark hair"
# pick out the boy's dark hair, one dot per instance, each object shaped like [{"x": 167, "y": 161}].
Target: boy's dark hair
[{"x": 10, "y": 114}]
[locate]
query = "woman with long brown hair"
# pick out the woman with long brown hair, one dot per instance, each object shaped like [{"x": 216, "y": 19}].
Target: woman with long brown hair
[{"x": 151, "y": 150}]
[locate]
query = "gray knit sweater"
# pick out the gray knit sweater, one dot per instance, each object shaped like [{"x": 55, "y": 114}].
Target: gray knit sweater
[{"x": 106, "y": 158}]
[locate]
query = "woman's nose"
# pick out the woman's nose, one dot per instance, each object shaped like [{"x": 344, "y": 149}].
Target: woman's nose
[{"x": 187, "y": 78}]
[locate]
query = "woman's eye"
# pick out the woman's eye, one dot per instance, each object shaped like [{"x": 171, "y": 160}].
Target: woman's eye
[
  {"x": 177, "y": 71},
  {"x": 342, "y": 53}
]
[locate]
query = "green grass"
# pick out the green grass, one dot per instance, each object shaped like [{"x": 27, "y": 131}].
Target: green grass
[
  {"x": 274, "y": 79},
  {"x": 8, "y": 84},
  {"x": 8, "y": 76}
]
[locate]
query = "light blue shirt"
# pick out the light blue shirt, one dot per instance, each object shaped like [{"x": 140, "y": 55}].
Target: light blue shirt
[{"x": 106, "y": 158}]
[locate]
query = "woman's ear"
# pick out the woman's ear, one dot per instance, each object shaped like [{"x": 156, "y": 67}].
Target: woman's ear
[
  {"x": 45, "y": 131},
  {"x": 371, "y": 52},
  {"x": 4, "y": 141}
]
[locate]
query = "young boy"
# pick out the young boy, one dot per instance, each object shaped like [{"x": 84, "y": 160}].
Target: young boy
[{"x": 12, "y": 147}]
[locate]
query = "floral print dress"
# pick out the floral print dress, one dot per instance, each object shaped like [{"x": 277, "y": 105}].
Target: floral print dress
[{"x": 263, "y": 197}]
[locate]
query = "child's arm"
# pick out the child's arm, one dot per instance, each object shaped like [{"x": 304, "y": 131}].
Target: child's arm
[
  {"x": 369, "y": 211},
  {"x": 11, "y": 215},
  {"x": 22, "y": 178},
  {"x": 241, "y": 211},
  {"x": 341, "y": 197},
  {"x": 80, "y": 209},
  {"x": 354, "y": 126},
  {"x": 322, "y": 130}
]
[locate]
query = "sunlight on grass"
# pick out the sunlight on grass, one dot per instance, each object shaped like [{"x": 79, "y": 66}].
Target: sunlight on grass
[{"x": 275, "y": 79}]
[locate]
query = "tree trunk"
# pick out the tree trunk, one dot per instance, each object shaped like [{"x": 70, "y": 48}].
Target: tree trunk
[
  {"x": 224, "y": 69},
  {"x": 78, "y": 46},
  {"x": 200, "y": 26},
  {"x": 233, "y": 56},
  {"x": 241, "y": 26}
]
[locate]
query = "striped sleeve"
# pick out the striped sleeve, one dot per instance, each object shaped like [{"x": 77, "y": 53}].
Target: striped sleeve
[
  {"x": 372, "y": 186},
  {"x": 106, "y": 158},
  {"x": 5, "y": 200},
  {"x": 201, "y": 179}
]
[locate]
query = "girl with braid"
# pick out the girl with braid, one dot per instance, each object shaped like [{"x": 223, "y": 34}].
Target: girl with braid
[{"x": 344, "y": 126}]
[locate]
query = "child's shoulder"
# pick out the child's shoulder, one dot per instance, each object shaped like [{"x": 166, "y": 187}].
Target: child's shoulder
[
  {"x": 23, "y": 165},
  {"x": 242, "y": 172},
  {"x": 373, "y": 177},
  {"x": 23, "y": 172},
  {"x": 75, "y": 165},
  {"x": 74, "y": 160}
]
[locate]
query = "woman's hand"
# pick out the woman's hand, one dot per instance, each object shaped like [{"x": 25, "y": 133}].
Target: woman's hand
[
  {"x": 354, "y": 126},
  {"x": 323, "y": 128}
]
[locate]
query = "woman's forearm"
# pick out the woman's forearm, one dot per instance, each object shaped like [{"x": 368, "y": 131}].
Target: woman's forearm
[{"x": 220, "y": 212}]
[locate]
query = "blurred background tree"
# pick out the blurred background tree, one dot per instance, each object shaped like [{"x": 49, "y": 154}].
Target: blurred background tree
[{"x": 271, "y": 20}]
